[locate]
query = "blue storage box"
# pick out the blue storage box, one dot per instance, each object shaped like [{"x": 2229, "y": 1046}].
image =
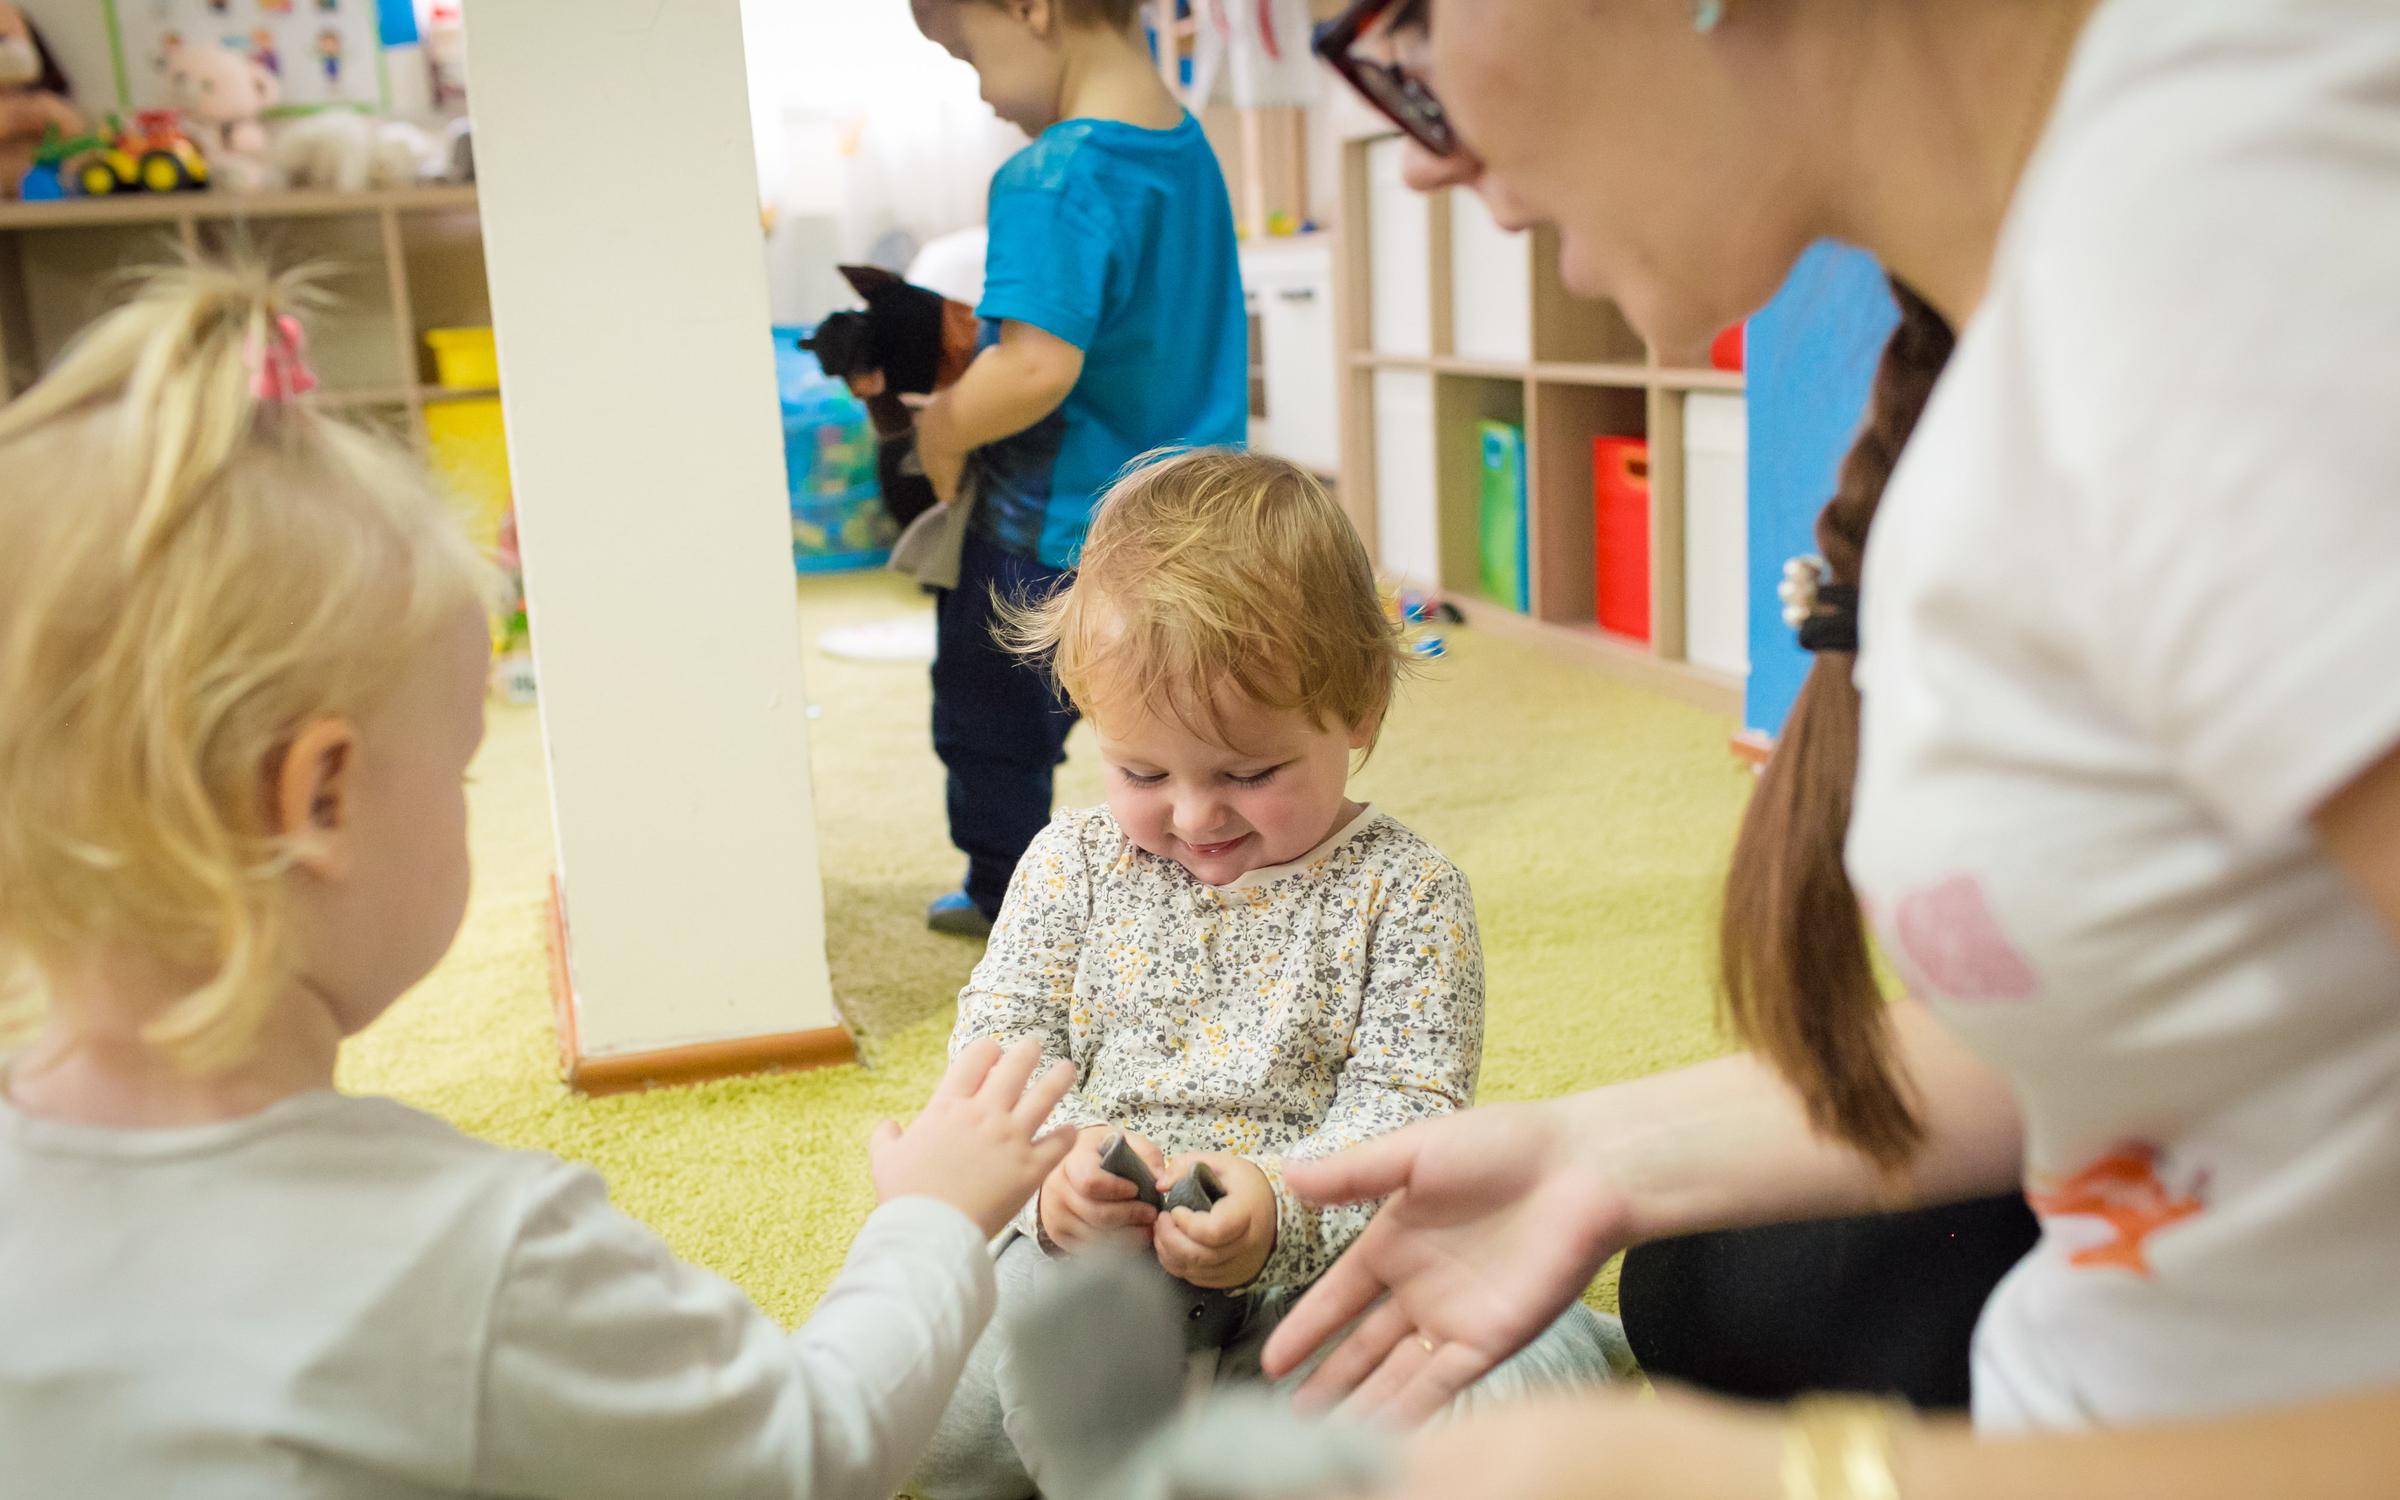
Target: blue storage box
[{"x": 838, "y": 519}]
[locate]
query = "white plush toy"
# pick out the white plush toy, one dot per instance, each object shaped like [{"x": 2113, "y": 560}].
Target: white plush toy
[
  {"x": 342, "y": 151},
  {"x": 223, "y": 96}
]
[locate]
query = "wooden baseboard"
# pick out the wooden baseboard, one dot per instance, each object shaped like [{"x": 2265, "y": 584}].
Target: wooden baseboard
[
  {"x": 628, "y": 1072},
  {"x": 1752, "y": 748},
  {"x": 562, "y": 981}
]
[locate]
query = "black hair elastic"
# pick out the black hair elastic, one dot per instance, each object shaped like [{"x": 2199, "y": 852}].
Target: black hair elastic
[{"x": 1833, "y": 626}]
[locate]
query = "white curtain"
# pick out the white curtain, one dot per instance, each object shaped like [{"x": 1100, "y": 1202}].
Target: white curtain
[{"x": 871, "y": 140}]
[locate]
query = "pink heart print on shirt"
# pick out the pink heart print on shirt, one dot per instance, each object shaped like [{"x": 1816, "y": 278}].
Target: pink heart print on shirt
[{"x": 1947, "y": 939}]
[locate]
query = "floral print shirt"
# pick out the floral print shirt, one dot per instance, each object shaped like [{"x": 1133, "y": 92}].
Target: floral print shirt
[{"x": 1302, "y": 1010}]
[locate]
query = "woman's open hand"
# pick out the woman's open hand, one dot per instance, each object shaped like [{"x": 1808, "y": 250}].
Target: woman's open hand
[{"x": 1490, "y": 1229}]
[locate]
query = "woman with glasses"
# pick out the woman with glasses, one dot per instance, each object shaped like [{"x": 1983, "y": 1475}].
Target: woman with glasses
[{"x": 2102, "y": 741}]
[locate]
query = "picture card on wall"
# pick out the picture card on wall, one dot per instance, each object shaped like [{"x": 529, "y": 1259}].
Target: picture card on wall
[{"x": 325, "y": 53}]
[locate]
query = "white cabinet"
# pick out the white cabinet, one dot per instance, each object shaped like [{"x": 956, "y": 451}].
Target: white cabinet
[
  {"x": 1399, "y": 256},
  {"x": 1716, "y": 532},
  {"x": 1491, "y": 285},
  {"x": 1406, "y": 519},
  {"x": 1289, "y": 284}
]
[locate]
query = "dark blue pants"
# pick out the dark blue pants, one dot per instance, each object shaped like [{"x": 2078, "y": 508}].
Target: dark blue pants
[{"x": 998, "y": 726}]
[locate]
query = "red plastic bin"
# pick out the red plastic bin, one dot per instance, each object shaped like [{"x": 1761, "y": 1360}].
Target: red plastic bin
[
  {"x": 1731, "y": 349},
  {"x": 1621, "y": 534}
]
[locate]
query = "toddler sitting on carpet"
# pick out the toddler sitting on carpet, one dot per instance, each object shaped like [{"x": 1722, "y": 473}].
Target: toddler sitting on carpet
[
  {"x": 242, "y": 666},
  {"x": 1245, "y": 965}
]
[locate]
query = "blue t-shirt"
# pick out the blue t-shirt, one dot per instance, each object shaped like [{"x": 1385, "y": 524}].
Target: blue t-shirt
[{"x": 1118, "y": 240}]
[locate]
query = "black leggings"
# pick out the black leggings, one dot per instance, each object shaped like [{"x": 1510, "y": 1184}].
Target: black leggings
[{"x": 1883, "y": 1305}]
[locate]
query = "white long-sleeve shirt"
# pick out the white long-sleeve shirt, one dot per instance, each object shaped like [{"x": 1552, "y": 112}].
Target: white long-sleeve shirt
[
  {"x": 1299, "y": 1011},
  {"x": 342, "y": 1296}
]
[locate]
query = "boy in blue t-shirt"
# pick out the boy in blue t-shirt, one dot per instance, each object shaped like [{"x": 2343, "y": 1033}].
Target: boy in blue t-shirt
[{"x": 1113, "y": 325}]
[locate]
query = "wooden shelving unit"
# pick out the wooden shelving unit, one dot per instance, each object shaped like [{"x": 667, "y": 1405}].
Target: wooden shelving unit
[
  {"x": 397, "y": 263},
  {"x": 1574, "y": 371}
]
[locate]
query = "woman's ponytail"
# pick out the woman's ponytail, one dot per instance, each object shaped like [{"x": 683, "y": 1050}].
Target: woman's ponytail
[{"x": 1799, "y": 982}]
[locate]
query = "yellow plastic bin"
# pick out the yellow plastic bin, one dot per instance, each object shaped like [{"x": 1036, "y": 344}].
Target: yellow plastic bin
[
  {"x": 467, "y": 439},
  {"x": 464, "y": 359}
]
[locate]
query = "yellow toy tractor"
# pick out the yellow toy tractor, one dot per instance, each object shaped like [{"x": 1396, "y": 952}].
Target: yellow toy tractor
[{"x": 155, "y": 156}]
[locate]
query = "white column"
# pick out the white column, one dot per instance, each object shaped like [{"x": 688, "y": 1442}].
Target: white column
[{"x": 621, "y": 225}]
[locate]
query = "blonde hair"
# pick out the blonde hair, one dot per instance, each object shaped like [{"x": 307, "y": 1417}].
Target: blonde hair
[
  {"x": 1212, "y": 570},
  {"x": 193, "y": 572}
]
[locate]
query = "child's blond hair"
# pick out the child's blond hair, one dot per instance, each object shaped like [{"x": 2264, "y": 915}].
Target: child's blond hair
[
  {"x": 193, "y": 569},
  {"x": 1212, "y": 571}
]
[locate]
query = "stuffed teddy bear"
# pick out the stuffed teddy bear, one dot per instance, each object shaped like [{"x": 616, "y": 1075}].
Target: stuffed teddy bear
[
  {"x": 33, "y": 97},
  {"x": 224, "y": 96}
]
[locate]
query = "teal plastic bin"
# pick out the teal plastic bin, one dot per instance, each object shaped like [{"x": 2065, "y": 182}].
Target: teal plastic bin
[
  {"x": 1506, "y": 548},
  {"x": 838, "y": 519}
]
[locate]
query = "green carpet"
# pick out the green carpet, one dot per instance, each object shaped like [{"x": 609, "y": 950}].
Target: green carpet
[{"x": 1592, "y": 818}]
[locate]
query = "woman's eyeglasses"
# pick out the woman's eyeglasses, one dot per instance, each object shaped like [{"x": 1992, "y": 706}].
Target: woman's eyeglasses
[{"x": 1392, "y": 89}]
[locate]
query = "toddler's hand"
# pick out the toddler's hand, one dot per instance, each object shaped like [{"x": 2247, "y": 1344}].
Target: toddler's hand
[
  {"x": 1083, "y": 1203},
  {"x": 974, "y": 1146},
  {"x": 944, "y": 461},
  {"x": 1229, "y": 1245}
]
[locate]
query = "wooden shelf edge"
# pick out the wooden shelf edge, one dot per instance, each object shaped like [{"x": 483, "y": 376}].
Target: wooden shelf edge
[
  {"x": 1730, "y": 381},
  {"x": 1627, "y": 377},
  {"x": 1481, "y": 369},
  {"x": 1595, "y": 372},
  {"x": 1624, "y": 660},
  {"x": 354, "y": 397},
  {"x": 171, "y": 208},
  {"x": 346, "y": 398}
]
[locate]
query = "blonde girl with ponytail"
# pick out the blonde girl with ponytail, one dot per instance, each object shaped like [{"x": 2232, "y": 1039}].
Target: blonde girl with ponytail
[{"x": 242, "y": 659}]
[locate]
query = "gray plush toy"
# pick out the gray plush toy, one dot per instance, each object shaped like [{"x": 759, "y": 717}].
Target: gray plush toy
[{"x": 1112, "y": 1427}]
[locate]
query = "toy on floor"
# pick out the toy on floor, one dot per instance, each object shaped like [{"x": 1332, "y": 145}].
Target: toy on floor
[
  {"x": 1413, "y": 611},
  {"x": 512, "y": 679},
  {"x": 33, "y": 106},
  {"x": 908, "y": 341},
  {"x": 1103, "y": 1378},
  {"x": 1210, "y": 1318}
]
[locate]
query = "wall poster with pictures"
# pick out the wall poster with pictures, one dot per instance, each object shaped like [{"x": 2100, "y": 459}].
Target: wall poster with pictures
[{"x": 324, "y": 52}]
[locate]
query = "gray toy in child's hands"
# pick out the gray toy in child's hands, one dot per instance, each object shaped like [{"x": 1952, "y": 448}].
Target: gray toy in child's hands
[
  {"x": 1198, "y": 1190},
  {"x": 1101, "y": 1384},
  {"x": 1210, "y": 1318}
]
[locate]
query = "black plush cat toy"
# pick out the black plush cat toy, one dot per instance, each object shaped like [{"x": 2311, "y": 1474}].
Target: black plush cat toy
[{"x": 907, "y": 341}]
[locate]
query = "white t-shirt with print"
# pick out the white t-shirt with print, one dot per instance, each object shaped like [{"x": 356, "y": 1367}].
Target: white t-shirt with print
[{"x": 2132, "y": 612}]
